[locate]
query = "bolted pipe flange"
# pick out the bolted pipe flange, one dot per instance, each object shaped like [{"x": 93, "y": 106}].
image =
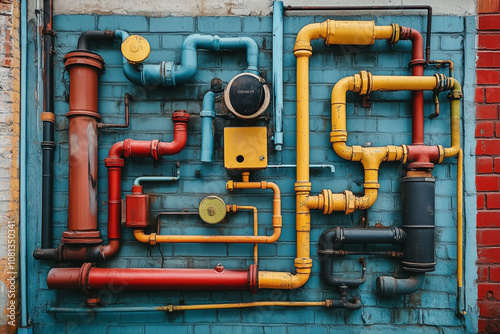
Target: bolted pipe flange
[
  {"x": 395, "y": 33},
  {"x": 180, "y": 116}
]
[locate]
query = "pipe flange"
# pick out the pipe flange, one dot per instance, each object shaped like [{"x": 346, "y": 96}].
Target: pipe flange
[
  {"x": 303, "y": 187},
  {"x": 84, "y": 276},
  {"x": 179, "y": 116},
  {"x": 416, "y": 62},
  {"x": 350, "y": 202},
  {"x": 441, "y": 153},
  {"x": 303, "y": 263},
  {"x": 154, "y": 149},
  {"x": 253, "y": 278},
  {"x": 338, "y": 136},
  {"x": 395, "y": 33},
  {"x": 366, "y": 82}
]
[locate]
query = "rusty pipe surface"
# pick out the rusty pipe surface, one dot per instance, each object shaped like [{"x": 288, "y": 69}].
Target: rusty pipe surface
[
  {"x": 90, "y": 278},
  {"x": 84, "y": 68}
]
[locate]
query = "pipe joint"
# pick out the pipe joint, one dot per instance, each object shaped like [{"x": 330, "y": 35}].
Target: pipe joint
[
  {"x": 152, "y": 239},
  {"x": 303, "y": 263},
  {"x": 371, "y": 185},
  {"x": 396, "y": 30},
  {"x": 338, "y": 136},
  {"x": 363, "y": 83},
  {"x": 114, "y": 162},
  {"x": 303, "y": 187}
]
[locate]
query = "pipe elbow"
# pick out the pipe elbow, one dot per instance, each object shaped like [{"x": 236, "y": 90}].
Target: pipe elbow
[
  {"x": 367, "y": 200},
  {"x": 141, "y": 236},
  {"x": 252, "y": 54},
  {"x": 116, "y": 151},
  {"x": 343, "y": 151},
  {"x": 109, "y": 250},
  {"x": 131, "y": 73},
  {"x": 388, "y": 286},
  {"x": 300, "y": 278},
  {"x": 305, "y": 35}
]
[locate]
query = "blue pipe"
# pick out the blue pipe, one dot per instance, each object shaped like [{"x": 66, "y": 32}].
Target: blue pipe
[
  {"x": 278, "y": 73},
  {"x": 207, "y": 127},
  {"x": 142, "y": 179},
  {"x": 169, "y": 74},
  {"x": 22, "y": 214}
]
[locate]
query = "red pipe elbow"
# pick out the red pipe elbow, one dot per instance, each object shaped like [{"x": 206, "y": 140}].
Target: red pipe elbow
[{"x": 180, "y": 119}]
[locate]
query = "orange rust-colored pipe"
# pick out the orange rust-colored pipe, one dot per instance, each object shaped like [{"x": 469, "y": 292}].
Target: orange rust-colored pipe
[
  {"x": 154, "y": 238},
  {"x": 83, "y": 68}
]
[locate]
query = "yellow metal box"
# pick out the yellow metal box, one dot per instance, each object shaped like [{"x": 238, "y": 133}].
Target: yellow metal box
[{"x": 245, "y": 148}]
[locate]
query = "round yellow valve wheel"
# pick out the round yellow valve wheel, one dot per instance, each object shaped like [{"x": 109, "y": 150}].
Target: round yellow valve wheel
[
  {"x": 212, "y": 210},
  {"x": 135, "y": 49}
]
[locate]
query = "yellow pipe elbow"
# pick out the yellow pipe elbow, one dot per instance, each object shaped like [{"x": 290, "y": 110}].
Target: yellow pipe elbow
[
  {"x": 455, "y": 96},
  {"x": 307, "y": 34},
  {"x": 141, "y": 237},
  {"x": 283, "y": 280},
  {"x": 367, "y": 200}
]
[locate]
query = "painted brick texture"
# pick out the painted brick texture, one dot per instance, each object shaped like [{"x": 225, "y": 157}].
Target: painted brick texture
[
  {"x": 9, "y": 149},
  {"x": 487, "y": 159},
  {"x": 387, "y": 121}
]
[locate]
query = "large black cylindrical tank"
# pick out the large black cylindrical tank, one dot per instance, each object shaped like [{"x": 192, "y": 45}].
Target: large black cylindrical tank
[{"x": 418, "y": 222}]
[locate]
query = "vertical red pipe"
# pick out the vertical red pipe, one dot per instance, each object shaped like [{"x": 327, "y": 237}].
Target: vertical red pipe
[
  {"x": 83, "y": 68},
  {"x": 417, "y": 68}
]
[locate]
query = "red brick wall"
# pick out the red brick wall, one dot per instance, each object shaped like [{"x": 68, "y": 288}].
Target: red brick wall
[{"x": 488, "y": 164}]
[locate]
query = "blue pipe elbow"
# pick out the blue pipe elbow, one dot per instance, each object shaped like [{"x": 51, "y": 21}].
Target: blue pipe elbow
[
  {"x": 388, "y": 286},
  {"x": 207, "y": 127},
  {"x": 169, "y": 74}
]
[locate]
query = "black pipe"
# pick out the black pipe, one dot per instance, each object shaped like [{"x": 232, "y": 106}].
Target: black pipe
[
  {"x": 333, "y": 239},
  {"x": 418, "y": 222},
  {"x": 89, "y": 36},
  {"x": 428, "y": 8},
  {"x": 48, "y": 144},
  {"x": 388, "y": 286},
  {"x": 371, "y": 235}
]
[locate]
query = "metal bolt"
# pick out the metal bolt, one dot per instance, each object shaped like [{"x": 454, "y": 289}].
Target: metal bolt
[
  {"x": 262, "y": 157},
  {"x": 211, "y": 211}
]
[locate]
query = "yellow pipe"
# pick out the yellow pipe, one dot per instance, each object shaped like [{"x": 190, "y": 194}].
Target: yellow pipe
[
  {"x": 372, "y": 157},
  {"x": 172, "y": 308},
  {"x": 460, "y": 232},
  {"x": 155, "y": 238},
  {"x": 456, "y": 94}
]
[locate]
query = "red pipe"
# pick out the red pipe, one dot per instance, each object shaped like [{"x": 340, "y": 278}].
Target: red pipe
[
  {"x": 84, "y": 68},
  {"x": 417, "y": 68},
  {"x": 90, "y": 278}
]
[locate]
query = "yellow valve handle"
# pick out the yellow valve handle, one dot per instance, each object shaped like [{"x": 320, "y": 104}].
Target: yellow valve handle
[{"x": 135, "y": 49}]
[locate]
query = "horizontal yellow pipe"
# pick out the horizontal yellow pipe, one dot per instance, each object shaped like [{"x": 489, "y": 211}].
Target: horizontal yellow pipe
[{"x": 172, "y": 308}]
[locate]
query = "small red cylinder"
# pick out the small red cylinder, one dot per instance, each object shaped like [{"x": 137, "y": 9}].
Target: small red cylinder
[{"x": 138, "y": 206}]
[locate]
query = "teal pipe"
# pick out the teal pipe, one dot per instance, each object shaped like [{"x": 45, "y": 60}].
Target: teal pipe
[
  {"x": 207, "y": 127},
  {"x": 23, "y": 164},
  {"x": 169, "y": 74},
  {"x": 278, "y": 73},
  {"x": 142, "y": 179}
]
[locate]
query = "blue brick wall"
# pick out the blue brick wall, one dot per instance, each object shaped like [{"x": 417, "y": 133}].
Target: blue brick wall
[{"x": 387, "y": 121}]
